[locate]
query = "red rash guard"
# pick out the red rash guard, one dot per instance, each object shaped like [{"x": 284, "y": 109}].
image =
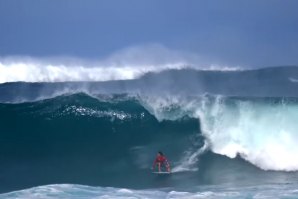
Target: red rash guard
[{"x": 160, "y": 159}]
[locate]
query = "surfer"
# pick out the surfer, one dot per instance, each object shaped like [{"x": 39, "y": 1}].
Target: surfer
[{"x": 161, "y": 160}]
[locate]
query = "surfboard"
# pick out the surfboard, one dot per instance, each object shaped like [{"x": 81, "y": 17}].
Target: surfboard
[{"x": 161, "y": 173}]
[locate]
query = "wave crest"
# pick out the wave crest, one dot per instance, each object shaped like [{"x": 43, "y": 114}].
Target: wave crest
[{"x": 263, "y": 131}]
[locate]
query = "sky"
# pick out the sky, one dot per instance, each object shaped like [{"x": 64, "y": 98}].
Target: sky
[{"x": 254, "y": 33}]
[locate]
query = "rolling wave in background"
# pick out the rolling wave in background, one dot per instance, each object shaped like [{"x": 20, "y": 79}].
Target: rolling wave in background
[
  {"x": 38, "y": 72},
  {"x": 227, "y": 134},
  {"x": 128, "y": 63}
]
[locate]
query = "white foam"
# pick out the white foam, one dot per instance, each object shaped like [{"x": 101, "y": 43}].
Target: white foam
[
  {"x": 260, "y": 131},
  {"x": 81, "y": 191},
  {"x": 263, "y": 133},
  {"x": 45, "y": 71},
  {"x": 34, "y": 72}
]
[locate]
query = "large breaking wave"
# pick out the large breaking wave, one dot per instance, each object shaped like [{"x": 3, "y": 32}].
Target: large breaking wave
[
  {"x": 103, "y": 133},
  {"x": 261, "y": 130},
  {"x": 75, "y": 136}
]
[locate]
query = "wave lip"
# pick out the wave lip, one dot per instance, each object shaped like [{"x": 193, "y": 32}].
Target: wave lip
[
  {"x": 155, "y": 81},
  {"x": 262, "y": 131}
]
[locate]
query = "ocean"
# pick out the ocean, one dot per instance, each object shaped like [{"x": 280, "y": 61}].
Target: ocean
[{"x": 226, "y": 134}]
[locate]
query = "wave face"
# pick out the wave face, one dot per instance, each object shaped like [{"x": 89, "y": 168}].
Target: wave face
[
  {"x": 216, "y": 127},
  {"x": 108, "y": 139},
  {"x": 81, "y": 139}
]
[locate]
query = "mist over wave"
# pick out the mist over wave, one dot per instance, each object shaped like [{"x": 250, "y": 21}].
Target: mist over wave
[
  {"x": 267, "y": 82},
  {"x": 128, "y": 63}
]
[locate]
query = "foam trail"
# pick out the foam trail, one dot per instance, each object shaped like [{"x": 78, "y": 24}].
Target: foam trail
[{"x": 189, "y": 161}]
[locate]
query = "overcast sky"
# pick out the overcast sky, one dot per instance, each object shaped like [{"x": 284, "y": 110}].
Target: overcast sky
[{"x": 252, "y": 33}]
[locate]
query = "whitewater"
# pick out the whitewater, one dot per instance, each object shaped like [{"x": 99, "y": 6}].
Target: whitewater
[{"x": 227, "y": 133}]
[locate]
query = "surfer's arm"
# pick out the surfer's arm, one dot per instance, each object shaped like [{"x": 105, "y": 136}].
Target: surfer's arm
[{"x": 154, "y": 163}]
